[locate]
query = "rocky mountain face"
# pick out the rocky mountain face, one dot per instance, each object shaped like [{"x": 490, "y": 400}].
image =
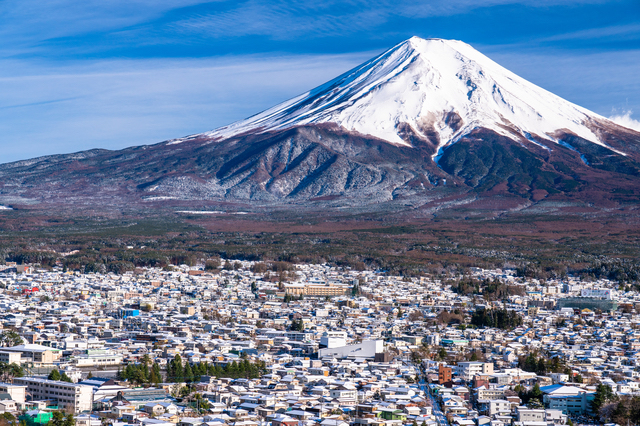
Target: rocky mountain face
[{"x": 429, "y": 124}]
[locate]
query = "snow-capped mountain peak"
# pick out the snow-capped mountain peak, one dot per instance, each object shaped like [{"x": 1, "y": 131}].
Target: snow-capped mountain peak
[{"x": 443, "y": 89}]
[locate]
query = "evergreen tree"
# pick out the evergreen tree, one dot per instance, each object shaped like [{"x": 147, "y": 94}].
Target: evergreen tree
[
  {"x": 57, "y": 419},
  {"x": 176, "y": 367},
  {"x": 129, "y": 372},
  {"x": 155, "y": 376},
  {"x": 442, "y": 353},
  {"x": 218, "y": 371},
  {"x": 603, "y": 395},
  {"x": 233, "y": 369},
  {"x": 355, "y": 290},
  {"x": 146, "y": 362},
  {"x": 188, "y": 373},
  {"x": 69, "y": 420},
  {"x": 54, "y": 375}
]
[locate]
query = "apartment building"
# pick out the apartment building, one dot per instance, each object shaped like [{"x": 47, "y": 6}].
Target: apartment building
[
  {"x": 467, "y": 370},
  {"x": 317, "y": 290},
  {"x": 72, "y": 396},
  {"x": 10, "y": 357},
  {"x": 17, "y": 392}
]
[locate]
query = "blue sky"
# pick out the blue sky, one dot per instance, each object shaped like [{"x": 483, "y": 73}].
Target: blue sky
[{"x": 76, "y": 75}]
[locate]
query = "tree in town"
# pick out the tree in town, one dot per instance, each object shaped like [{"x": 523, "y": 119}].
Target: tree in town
[
  {"x": 54, "y": 375},
  {"x": 65, "y": 378},
  {"x": 531, "y": 397},
  {"x": 188, "y": 373},
  {"x": 201, "y": 403},
  {"x": 69, "y": 420},
  {"x": 9, "y": 371},
  {"x": 603, "y": 395},
  {"x": 10, "y": 418},
  {"x": 155, "y": 376},
  {"x": 297, "y": 325},
  {"x": 58, "y": 418},
  {"x": 174, "y": 370},
  {"x": 10, "y": 338},
  {"x": 620, "y": 413},
  {"x": 498, "y": 318},
  {"x": 442, "y": 354}
]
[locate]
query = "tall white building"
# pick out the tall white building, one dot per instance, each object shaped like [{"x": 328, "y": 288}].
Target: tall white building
[
  {"x": 333, "y": 339},
  {"x": 467, "y": 370},
  {"x": 72, "y": 396}
]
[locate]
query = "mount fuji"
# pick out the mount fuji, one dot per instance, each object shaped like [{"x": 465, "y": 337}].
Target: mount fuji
[
  {"x": 427, "y": 125},
  {"x": 442, "y": 89}
]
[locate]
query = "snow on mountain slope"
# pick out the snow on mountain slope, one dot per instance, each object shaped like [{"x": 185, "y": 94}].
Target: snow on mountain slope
[{"x": 424, "y": 83}]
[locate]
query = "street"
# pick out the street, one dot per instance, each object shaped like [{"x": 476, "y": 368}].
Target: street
[{"x": 440, "y": 417}]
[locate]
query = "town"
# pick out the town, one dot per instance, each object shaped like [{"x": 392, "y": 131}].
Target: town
[{"x": 243, "y": 343}]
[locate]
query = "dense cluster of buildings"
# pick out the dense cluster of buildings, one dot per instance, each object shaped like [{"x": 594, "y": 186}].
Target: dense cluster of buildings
[{"x": 339, "y": 347}]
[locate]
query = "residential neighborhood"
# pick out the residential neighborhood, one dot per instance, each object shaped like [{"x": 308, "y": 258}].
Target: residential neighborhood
[{"x": 252, "y": 344}]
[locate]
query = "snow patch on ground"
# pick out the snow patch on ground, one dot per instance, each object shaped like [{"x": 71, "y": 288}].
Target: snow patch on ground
[
  {"x": 159, "y": 198},
  {"x": 199, "y": 212}
]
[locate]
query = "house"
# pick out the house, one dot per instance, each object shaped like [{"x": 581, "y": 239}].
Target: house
[
  {"x": 153, "y": 408},
  {"x": 391, "y": 414},
  {"x": 283, "y": 420},
  {"x": 87, "y": 420},
  {"x": 8, "y": 406}
]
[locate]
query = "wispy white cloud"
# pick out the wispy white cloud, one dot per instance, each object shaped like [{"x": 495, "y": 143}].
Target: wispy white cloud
[
  {"x": 25, "y": 24},
  {"x": 618, "y": 31},
  {"x": 115, "y": 104},
  {"x": 58, "y": 18},
  {"x": 453, "y": 7},
  {"x": 625, "y": 120},
  {"x": 284, "y": 20}
]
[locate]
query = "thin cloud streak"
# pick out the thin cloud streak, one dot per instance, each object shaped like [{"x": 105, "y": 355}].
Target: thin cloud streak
[
  {"x": 123, "y": 103},
  {"x": 630, "y": 30}
]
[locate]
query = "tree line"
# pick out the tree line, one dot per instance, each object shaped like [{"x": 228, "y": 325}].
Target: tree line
[
  {"x": 542, "y": 365},
  {"x": 489, "y": 289},
  {"x": 56, "y": 375},
  {"x": 142, "y": 373},
  {"x": 177, "y": 371},
  {"x": 496, "y": 318}
]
